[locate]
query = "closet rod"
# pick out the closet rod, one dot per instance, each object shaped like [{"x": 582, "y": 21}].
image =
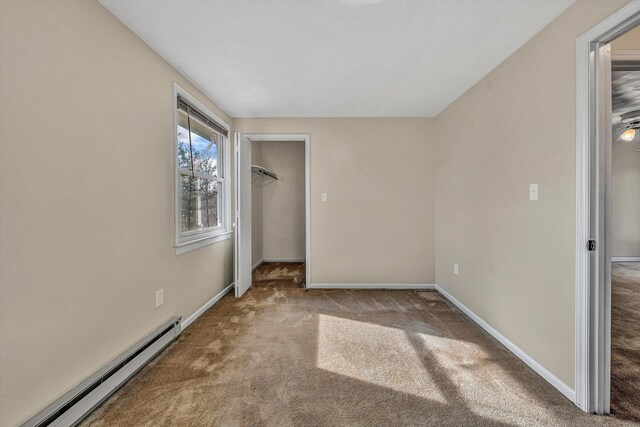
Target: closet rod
[{"x": 262, "y": 171}]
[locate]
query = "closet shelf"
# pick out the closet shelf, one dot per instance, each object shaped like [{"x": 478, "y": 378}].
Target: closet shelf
[{"x": 259, "y": 170}]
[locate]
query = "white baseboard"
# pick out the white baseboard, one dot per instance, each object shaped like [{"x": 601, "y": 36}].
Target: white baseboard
[
  {"x": 257, "y": 264},
  {"x": 370, "y": 286},
  {"x": 189, "y": 320},
  {"x": 283, "y": 260},
  {"x": 625, "y": 258},
  {"x": 563, "y": 388}
]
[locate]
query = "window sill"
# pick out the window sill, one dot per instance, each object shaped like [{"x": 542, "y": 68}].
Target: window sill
[{"x": 197, "y": 244}]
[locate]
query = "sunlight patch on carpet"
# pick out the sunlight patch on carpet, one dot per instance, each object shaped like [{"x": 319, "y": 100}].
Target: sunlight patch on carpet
[{"x": 374, "y": 354}]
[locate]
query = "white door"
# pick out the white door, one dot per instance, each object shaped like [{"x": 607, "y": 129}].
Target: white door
[{"x": 243, "y": 215}]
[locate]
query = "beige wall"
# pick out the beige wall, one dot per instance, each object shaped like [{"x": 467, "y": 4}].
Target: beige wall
[
  {"x": 86, "y": 197},
  {"x": 516, "y": 257},
  {"x": 86, "y": 200},
  {"x": 627, "y": 41},
  {"x": 257, "y": 212},
  {"x": 377, "y": 225},
  {"x": 625, "y": 199},
  {"x": 284, "y": 201}
]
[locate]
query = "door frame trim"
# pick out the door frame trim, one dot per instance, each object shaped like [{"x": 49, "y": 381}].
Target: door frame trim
[
  {"x": 266, "y": 137},
  {"x": 593, "y": 305}
]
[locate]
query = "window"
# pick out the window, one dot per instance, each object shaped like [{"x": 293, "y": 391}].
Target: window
[{"x": 201, "y": 163}]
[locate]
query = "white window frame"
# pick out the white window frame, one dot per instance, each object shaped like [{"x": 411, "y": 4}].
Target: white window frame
[{"x": 191, "y": 240}]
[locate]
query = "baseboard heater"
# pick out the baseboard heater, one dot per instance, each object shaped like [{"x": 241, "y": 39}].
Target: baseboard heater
[{"x": 76, "y": 404}]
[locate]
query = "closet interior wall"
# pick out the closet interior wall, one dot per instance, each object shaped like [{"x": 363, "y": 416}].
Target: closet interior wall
[{"x": 278, "y": 211}]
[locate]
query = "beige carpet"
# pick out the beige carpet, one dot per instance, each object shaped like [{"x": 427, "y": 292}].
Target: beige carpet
[
  {"x": 625, "y": 340},
  {"x": 286, "y": 356}
]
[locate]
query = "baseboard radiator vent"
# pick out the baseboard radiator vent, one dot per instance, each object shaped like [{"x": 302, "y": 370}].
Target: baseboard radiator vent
[{"x": 76, "y": 404}]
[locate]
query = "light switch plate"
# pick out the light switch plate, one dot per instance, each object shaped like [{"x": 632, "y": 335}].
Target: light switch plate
[
  {"x": 323, "y": 197},
  {"x": 159, "y": 297},
  {"x": 533, "y": 191},
  {"x": 455, "y": 269}
]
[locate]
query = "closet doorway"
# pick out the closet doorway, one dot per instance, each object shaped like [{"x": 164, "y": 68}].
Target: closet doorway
[{"x": 265, "y": 230}]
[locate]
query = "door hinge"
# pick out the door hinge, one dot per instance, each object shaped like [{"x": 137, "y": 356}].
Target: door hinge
[{"x": 591, "y": 245}]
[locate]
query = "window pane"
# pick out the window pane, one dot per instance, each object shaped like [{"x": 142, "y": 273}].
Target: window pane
[
  {"x": 184, "y": 153},
  {"x": 205, "y": 143},
  {"x": 200, "y": 200}
]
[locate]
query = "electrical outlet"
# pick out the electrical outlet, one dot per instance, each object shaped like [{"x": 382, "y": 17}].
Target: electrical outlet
[
  {"x": 159, "y": 297},
  {"x": 323, "y": 197},
  {"x": 533, "y": 191},
  {"x": 455, "y": 269}
]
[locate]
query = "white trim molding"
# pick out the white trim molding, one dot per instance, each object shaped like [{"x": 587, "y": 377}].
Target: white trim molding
[
  {"x": 257, "y": 264},
  {"x": 192, "y": 246},
  {"x": 592, "y": 311},
  {"x": 563, "y": 388},
  {"x": 625, "y": 259},
  {"x": 392, "y": 286},
  {"x": 283, "y": 260},
  {"x": 242, "y": 137},
  {"x": 189, "y": 320}
]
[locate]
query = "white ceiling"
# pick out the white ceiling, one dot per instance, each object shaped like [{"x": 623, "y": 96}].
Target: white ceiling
[{"x": 350, "y": 58}]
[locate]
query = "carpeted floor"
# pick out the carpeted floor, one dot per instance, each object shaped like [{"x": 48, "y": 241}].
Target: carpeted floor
[
  {"x": 286, "y": 356},
  {"x": 625, "y": 340}
]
